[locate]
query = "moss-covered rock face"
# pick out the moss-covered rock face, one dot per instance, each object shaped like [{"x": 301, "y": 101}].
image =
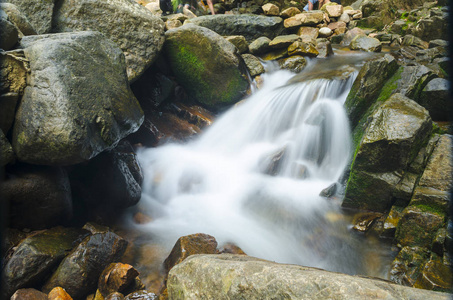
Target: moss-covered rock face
[
  {"x": 77, "y": 102},
  {"x": 206, "y": 65},
  {"x": 36, "y": 256},
  {"x": 408, "y": 264}
]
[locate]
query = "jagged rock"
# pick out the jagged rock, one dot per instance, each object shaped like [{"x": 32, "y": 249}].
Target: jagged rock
[
  {"x": 410, "y": 40},
  {"x": 238, "y": 276},
  {"x": 79, "y": 271},
  {"x": 88, "y": 107},
  {"x": 363, "y": 222},
  {"x": 13, "y": 68},
  {"x": 304, "y": 19},
  {"x": 117, "y": 277},
  {"x": 249, "y": 26},
  {"x": 324, "y": 48},
  {"x": 289, "y": 12},
  {"x": 368, "y": 85},
  {"x": 253, "y": 64},
  {"x": 239, "y": 41},
  {"x": 36, "y": 257},
  {"x": 140, "y": 45},
  {"x": 29, "y": 294},
  {"x": 59, "y": 293},
  {"x": 413, "y": 80},
  {"x": 115, "y": 296},
  {"x": 435, "y": 276},
  {"x": 329, "y": 191},
  {"x": 301, "y": 48},
  {"x": 434, "y": 27},
  {"x": 391, "y": 221},
  {"x": 407, "y": 265},
  {"x": 365, "y": 43},
  {"x": 308, "y": 34},
  {"x": 283, "y": 41},
  {"x": 350, "y": 35},
  {"x": 333, "y": 9},
  {"x": 260, "y": 45},
  {"x": 295, "y": 63},
  {"x": 38, "y": 196},
  {"x": 325, "y": 32},
  {"x": 141, "y": 295},
  {"x": 435, "y": 98},
  {"x": 215, "y": 75},
  {"x": 16, "y": 17},
  {"x": 334, "y": 26},
  {"x": 185, "y": 246},
  {"x": 6, "y": 151},
  {"x": 270, "y": 9}
]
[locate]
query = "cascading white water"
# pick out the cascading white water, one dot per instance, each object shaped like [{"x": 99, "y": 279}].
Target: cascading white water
[{"x": 229, "y": 183}]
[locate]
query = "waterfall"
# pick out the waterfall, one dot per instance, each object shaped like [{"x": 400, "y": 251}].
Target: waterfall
[{"x": 254, "y": 177}]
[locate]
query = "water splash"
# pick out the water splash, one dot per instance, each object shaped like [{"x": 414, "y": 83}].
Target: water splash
[{"x": 255, "y": 176}]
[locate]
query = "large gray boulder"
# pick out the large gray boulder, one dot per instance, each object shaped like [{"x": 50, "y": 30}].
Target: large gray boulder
[
  {"x": 38, "y": 12},
  {"x": 435, "y": 97},
  {"x": 206, "y": 65},
  {"x": 78, "y": 102},
  {"x": 16, "y": 17},
  {"x": 228, "y": 276},
  {"x": 249, "y": 26},
  {"x": 131, "y": 26},
  {"x": 397, "y": 131}
]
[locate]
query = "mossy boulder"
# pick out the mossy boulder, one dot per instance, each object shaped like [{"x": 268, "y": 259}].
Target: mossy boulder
[
  {"x": 209, "y": 68},
  {"x": 79, "y": 272},
  {"x": 36, "y": 256},
  {"x": 407, "y": 265},
  {"x": 78, "y": 102}
]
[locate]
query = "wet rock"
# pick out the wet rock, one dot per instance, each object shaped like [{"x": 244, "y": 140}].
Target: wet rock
[
  {"x": 303, "y": 49},
  {"x": 395, "y": 134},
  {"x": 117, "y": 277},
  {"x": 410, "y": 40},
  {"x": 438, "y": 245},
  {"x": 39, "y": 13},
  {"x": 239, "y": 41},
  {"x": 329, "y": 191},
  {"x": 365, "y": 43},
  {"x": 185, "y": 246},
  {"x": 435, "y": 276},
  {"x": 78, "y": 273},
  {"x": 140, "y": 46},
  {"x": 6, "y": 152},
  {"x": 289, "y": 12},
  {"x": 270, "y": 9},
  {"x": 391, "y": 222},
  {"x": 58, "y": 293},
  {"x": 86, "y": 115},
  {"x": 234, "y": 276},
  {"x": 304, "y": 19},
  {"x": 283, "y": 41},
  {"x": 324, "y": 48},
  {"x": 295, "y": 63},
  {"x": 337, "y": 39},
  {"x": 418, "y": 226},
  {"x": 193, "y": 114},
  {"x": 216, "y": 76},
  {"x": 231, "y": 249},
  {"x": 29, "y": 294},
  {"x": 435, "y": 98},
  {"x": 141, "y": 295},
  {"x": 363, "y": 222},
  {"x": 260, "y": 45},
  {"x": 254, "y": 65},
  {"x": 38, "y": 196},
  {"x": 408, "y": 264},
  {"x": 247, "y": 25},
  {"x": 115, "y": 296},
  {"x": 36, "y": 257},
  {"x": 413, "y": 79}
]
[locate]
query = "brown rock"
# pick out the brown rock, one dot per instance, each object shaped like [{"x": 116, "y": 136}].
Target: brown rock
[
  {"x": 364, "y": 221},
  {"x": 308, "y": 34},
  {"x": 232, "y": 249},
  {"x": 435, "y": 276},
  {"x": 270, "y": 9},
  {"x": 115, "y": 296},
  {"x": 289, "y": 12},
  {"x": 334, "y": 10},
  {"x": 350, "y": 35},
  {"x": 117, "y": 277},
  {"x": 170, "y": 24},
  {"x": 239, "y": 41},
  {"x": 301, "y": 48},
  {"x": 283, "y": 41},
  {"x": 29, "y": 294},
  {"x": 13, "y": 72},
  {"x": 198, "y": 243},
  {"x": 58, "y": 293},
  {"x": 305, "y": 18},
  {"x": 335, "y": 25}
]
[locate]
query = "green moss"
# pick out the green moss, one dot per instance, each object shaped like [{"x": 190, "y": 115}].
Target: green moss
[{"x": 431, "y": 208}]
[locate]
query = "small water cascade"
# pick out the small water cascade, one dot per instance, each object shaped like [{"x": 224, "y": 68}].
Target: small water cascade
[{"x": 254, "y": 177}]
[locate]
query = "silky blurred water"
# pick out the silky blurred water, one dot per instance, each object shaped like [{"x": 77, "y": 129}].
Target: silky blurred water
[{"x": 229, "y": 183}]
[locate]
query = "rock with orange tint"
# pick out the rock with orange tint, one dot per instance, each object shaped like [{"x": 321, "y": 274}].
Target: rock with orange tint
[
  {"x": 117, "y": 277},
  {"x": 58, "y": 293},
  {"x": 231, "y": 249},
  {"x": 198, "y": 243},
  {"x": 28, "y": 294}
]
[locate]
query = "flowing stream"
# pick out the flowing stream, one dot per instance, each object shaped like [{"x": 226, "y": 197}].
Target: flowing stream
[{"x": 254, "y": 177}]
